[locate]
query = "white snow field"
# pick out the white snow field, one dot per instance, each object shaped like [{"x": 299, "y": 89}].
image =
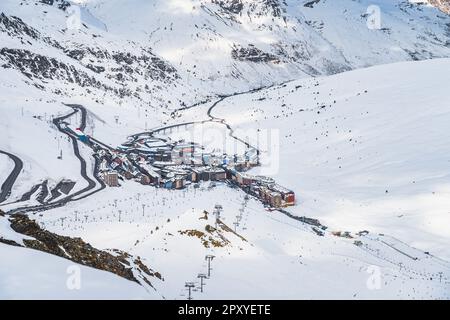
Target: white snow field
[
  {"x": 276, "y": 258},
  {"x": 50, "y": 277},
  {"x": 344, "y": 141},
  {"x": 366, "y": 149}
]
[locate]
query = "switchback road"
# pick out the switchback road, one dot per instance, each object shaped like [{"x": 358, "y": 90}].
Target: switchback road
[
  {"x": 211, "y": 117},
  {"x": 9, "y": 182},
  {"x": 92, "y": 185}
]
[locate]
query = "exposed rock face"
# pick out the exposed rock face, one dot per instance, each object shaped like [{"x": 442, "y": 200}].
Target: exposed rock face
[
  {"x": 15, "y": 27},
  {"x": 129, "y": 68},
  {"x": 231, "y": 6},
  {"x": 212, "y": 237},
  {"x": 129, "y": 73},
  {"x": 253, "y": 54},
  {"x": 61, "y": 4},
  {"x": 7, "y": 241},
  {"x": 75, "y": 249},
  {"x": 255, "y": 8},
  {"x": 443, "y": 5},
  {"x": 311, "y": 3},
  {"x": 147, "y": 65},
  {"x": 267, "y": 7},
  {"x": 36, "y": 66}
]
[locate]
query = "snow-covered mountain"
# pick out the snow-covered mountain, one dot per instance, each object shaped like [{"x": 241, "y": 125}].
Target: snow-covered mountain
[
  {"x": 356, "y": 90},
  {"x": 133, "y": 50},
  {"x": 366, "y": 148}
]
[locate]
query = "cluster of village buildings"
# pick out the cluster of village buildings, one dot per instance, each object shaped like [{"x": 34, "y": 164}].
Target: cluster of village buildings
[{"x": 150, "y": 161}]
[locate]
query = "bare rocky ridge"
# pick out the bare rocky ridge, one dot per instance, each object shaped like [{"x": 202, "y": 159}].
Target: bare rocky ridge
[
  {"x": 102, "y": 66},
  {"x": 232, "y": 6},
  {"x": 253, "y": 54},
  {"x": 125, "y": 69},
  {"x": 443, "y": 5},
  {"x": 40, "y": 67},
  {"x": 257, "y": 8},
  {"x": 268, "y": 7},
  {"x": 60, "y": 4},
  {"x": 311, "y": 3},
  {"x": 16, "y": 27},
  {"x": 75, "y": 249}
]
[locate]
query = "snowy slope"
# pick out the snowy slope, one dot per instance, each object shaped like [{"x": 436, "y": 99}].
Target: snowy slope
[
  {"x": 271, "y": 257},
  {"x": 363, "y": 150},
  {"x": 367, "y": 149},
  {"x": 47, "y": 278},
  {"x": 407, "y": 30},
  {"x": 199, "y": 47}
]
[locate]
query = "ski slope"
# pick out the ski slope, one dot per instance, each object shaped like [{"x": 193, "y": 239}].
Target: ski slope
[
  {"x": 366, "y": 149},
  {"x": 49, "y": 278},
  {"x": 271, "y": 256}
]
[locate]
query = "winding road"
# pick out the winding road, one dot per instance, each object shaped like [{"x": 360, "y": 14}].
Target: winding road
[
  {"x": 211, "y": 117},
  {"x": 223, "y": 121},
  {"x": 9, "y": 182},
  {"x": 92, "y": 185}
]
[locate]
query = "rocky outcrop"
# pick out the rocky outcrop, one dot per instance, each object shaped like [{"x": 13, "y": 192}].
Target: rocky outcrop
[
  {"x": 60, "y": 4},
  {"x": 272, "y": 8},
  {"x": 75, "y": 249},
  {"x": 251, "y": 8},
  {"x": 35, "y": 66},
  {"x": 130, "y": 73},
  {"x": 311, "y": 3},
  {"x": 125, "y": 66},
  {"x": 253, "y": 54},
  {"x": 7, "y": 241},
  {"x": 15, "y": 27},
  {"x": 147, "y": 65},
  {"x": 443, "y": 5},
  {"x": 231, "y": 6},
  {"x": 212, "y": 237}
]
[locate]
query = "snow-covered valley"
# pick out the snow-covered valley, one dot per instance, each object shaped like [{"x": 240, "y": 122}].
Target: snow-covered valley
[{"x": 304, "y": 97}]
